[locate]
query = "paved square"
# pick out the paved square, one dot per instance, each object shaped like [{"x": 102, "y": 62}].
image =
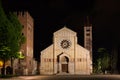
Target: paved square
[{"x": 67, "y": 77}]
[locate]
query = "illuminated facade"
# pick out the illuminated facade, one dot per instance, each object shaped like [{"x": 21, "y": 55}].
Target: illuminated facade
[
  {"x": 25, "y": 66},
  {"x": 7, "y": 65},
  {"x": 65, "y": 55},
  {"x": 88, "y": 39}
]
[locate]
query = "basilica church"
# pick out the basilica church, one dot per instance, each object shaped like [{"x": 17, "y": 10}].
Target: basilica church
[{"x": 65, "y": 55}]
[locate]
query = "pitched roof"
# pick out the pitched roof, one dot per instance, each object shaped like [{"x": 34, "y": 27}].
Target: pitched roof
[{"x": 65, "y": 30}]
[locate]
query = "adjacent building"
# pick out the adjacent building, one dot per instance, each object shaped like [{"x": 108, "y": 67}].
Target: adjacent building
[
  {"x": 26, "y": 65},
  {"x": 88, "y": 39}
]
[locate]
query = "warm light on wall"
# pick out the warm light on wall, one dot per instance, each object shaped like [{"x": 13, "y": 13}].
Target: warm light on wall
[
  {"x": 1, "y": 63},
  {"x": 21, "y": 56}
]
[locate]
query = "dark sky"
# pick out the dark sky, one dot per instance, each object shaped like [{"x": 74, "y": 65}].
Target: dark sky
[{"x": 51, "y": 15}]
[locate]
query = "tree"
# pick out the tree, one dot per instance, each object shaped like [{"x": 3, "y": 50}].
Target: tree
[
  {"x": 103, "y": 60},
  {"x": 11, "y": 37},
  {"x": 17, "y": 39},
  {"x": 3, "y": 27},
  {"x": 4, "y": 34}
]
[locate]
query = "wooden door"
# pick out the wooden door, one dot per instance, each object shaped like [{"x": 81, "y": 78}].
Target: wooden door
[{"x": 64, "y": 67}]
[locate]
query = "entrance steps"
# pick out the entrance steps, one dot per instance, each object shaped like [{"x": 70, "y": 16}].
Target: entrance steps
[{"x": 63, "y": 73}]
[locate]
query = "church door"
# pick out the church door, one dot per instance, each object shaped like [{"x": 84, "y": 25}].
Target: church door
[
  {"x": 64, "y": 67},
  {"x": 64, "y": 64}
]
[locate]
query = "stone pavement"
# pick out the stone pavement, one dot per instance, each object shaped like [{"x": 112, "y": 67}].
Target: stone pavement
[{"x": 67, "y": 77}]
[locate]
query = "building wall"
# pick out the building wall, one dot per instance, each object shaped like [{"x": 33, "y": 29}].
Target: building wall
[
  {"x": 82, "y": 61},
  {"x": 88, "y": 40},
  {"x": 47, "y": 61},
  {"x": 27, "y": 48},
  {"x": 7, "y": 64}
]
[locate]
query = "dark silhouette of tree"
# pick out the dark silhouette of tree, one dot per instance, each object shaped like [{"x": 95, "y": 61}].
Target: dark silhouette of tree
[
  {"x": 11, "y": 37},
  {"x": 102, "y": 63}
]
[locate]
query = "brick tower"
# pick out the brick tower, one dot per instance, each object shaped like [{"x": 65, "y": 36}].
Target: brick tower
[
  {"x": 26, "y": 64},
  {"x": 88, "y": 37}
]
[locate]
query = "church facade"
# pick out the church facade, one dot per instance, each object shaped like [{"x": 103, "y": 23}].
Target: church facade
[{"x": 65, "y": 55}]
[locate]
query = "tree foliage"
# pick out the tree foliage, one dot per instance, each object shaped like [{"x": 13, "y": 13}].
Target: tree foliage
[
  {"x": 11, "y": 36},
  {"x": 16, "y": 39},
  {"x": 4, "y": 52},
  {"x": 103, "y": 60},
  {"x": 10, "y": 31},
  {"x": 4, "y": 34}
]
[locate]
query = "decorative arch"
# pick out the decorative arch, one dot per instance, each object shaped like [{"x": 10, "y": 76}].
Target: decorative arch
[
  {"x": 63, "y": 62},
  {"x": 64, "y": 59},
  {"x": 9, "y": 70}
]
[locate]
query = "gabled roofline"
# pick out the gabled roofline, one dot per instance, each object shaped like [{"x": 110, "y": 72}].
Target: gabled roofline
[{"x": 65, "y": 28}]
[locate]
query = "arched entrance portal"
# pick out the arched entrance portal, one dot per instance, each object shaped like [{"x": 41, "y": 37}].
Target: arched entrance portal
[{"x": 64, "y": 64}]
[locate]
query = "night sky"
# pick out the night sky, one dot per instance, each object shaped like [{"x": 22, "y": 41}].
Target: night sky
[{"x": 52, "y": 15}]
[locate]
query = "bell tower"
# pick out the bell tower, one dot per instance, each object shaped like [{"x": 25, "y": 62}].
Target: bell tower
[
  {"x": 27, "y": 22},
  {"x": 88, "y": 37}
]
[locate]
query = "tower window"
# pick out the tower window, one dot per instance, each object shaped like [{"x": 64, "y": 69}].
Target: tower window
[
  {"x": 88, "y": 34},
  {"x": 87, "y": 30},
  {"x": 22, "y": 33},
  {"x": 29, "y": 28},
  {"x": 22, "y": 26},
  {"x": 30, "y": 62}
]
